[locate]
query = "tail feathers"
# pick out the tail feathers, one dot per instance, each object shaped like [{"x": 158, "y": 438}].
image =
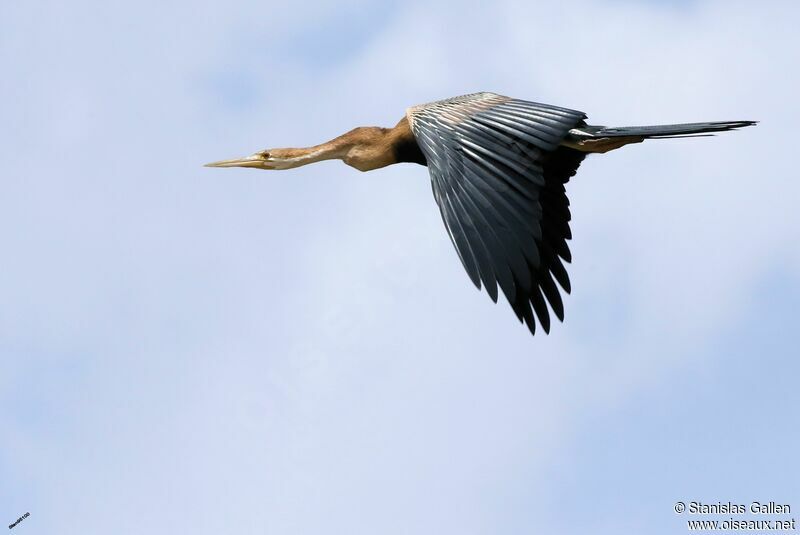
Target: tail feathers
[{"x": 669, "y": 130}]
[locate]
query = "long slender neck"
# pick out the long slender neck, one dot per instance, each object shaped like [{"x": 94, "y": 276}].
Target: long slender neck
[{"x": 365, "y": 148}]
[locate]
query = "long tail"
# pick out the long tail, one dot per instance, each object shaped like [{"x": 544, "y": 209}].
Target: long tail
[
  {"x": 665, "y": 130},
  {"x": 589, "y": 138}
]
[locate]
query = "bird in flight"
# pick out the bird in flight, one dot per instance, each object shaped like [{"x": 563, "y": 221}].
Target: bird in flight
[{"x": 498, "y": 166}]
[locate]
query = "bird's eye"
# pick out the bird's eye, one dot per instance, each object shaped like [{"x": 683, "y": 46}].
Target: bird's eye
[{"x": 265, "y": 154}]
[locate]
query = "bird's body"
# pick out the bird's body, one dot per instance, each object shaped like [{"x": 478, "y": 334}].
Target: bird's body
[{"x": 498, "y": 166}]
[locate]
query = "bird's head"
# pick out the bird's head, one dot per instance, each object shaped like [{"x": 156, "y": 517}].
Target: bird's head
[{"x": 265, "y": 159}]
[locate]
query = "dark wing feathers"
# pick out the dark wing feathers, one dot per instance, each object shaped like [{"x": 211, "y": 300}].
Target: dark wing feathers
[{"x": 498, "y": 174}]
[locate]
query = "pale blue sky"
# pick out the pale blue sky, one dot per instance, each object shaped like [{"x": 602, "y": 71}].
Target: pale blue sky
[{"x": 190, "y": 350}]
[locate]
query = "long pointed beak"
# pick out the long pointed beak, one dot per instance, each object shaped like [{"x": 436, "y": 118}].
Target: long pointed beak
[{"x": 256, "y": 160}]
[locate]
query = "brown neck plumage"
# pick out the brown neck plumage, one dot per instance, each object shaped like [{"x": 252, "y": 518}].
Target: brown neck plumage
[{"x": 364, "y": 148}]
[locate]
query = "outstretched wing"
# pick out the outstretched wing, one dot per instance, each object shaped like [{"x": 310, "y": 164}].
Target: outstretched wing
[{"x": 498, "y": 173}]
